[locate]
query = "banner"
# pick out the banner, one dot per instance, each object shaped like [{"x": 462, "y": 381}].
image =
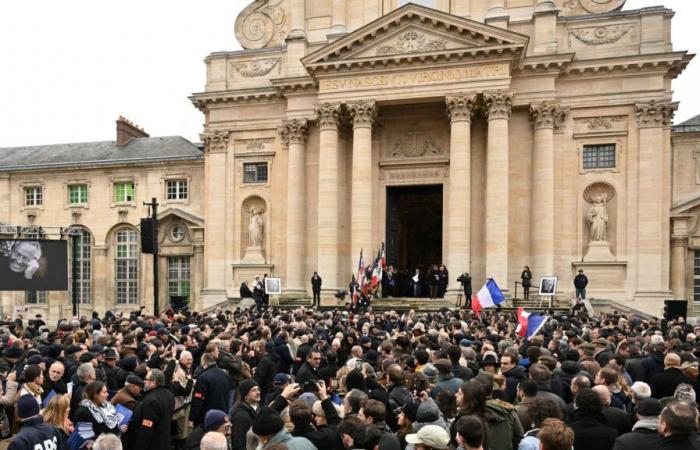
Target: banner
[{"x": 33, "y": 265}]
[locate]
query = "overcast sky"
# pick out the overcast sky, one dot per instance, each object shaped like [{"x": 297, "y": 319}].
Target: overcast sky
[{"x": 68, "y": 68}]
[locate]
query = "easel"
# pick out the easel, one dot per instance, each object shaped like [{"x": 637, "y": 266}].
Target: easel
[{"x": 543, "y": 298}]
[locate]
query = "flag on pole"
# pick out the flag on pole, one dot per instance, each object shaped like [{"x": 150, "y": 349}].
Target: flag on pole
[
  {"x": 489, "y": 296},
  {"x": 529, "y": 323},
  {"x": 383, "y": 257},
  {"x": 359, "y": 281}
]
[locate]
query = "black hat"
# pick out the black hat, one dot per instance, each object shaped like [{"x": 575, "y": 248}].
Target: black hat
[
  {"x": 110, "y": 353},
  {"x": 649, "y": 407},
  {"x": 35, "y": 359},
  {"x": 410, "y": 410},
  {"x": 245, "y": 387},
  {"x": 267, "y": 423},
  {"x": 27, "y": 407},
  {"x": 489, "y": 360},
  {"x": 13, "y": 352},
  {"x": 135, "y": 380},
  {"x": 73, "y": 349},
  {"x": 86, "y": 357}
]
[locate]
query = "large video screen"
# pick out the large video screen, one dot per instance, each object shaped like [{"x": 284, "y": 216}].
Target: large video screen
[{"x": 33, "y": 265}]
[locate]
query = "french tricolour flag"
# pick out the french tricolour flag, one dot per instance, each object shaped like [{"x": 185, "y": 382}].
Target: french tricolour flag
[
  {"x": 488, "y": 296},
  {"x": 529, "y": 323}
]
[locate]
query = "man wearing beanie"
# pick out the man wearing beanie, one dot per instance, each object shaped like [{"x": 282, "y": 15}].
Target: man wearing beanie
[
  {"x": 269, "y": 428},
  {"x": 211, "y": 390},
  {"x": 34, "y": 434},
  {"x": 246, "y": 410},
  {"x": 151, "y": 423},
  {"x": 645, "y": 434},
  {"x": 214, "y": 420}
]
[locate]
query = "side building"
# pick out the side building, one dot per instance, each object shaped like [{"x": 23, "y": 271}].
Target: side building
[{"x": 99, "y": 188}]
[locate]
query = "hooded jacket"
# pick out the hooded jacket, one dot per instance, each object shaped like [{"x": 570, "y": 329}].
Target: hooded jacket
[
  {"x": 429, "y": 414},
  {"x": 503, "y": 428},
  {"x": 513, "y": 377},
  {"x": 283, "y": 437}
]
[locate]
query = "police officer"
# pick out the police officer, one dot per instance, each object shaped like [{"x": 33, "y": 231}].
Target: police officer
[
  {"x": 34, "y": 434},
  {"x": 150, "y": 424}
]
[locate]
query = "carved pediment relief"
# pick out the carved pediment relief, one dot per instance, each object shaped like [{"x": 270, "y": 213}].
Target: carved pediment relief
[{"x": 414, "y": 29}]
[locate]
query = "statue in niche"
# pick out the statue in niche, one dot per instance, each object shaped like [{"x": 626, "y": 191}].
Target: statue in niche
[
  {"x": 597, "y": 219},
  {"x": 256, "y": 227}
]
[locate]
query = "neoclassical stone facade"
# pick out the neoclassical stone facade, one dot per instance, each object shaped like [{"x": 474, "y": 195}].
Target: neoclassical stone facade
[
  {"x": 545, "y": 125},
  {"x": 483, "y": 134}
]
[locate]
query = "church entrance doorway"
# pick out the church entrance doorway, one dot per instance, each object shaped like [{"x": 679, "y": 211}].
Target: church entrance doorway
[{"x": 414, "y": 227}]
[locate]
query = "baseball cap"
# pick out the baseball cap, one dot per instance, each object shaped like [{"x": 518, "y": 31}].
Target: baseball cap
[
  {"x": 280, "y": 379},
  {"x": 431, "y": 436}
]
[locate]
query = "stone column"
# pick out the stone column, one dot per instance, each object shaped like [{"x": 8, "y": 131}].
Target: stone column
[
  {"x": 216, "y": 145},
  {"x": 543, "y": 117},
  {"x": 652, "y": 242},
  {"x": 498, "y": 109},
  {"x": 679, "y": 253},
  {"x": 338, "y": 23},
  {"x": 363, "y": 115},
  {"x": 100, "y": 275},
  {"x": 460, "y": 108},
  {"x": 294, "y": 133},
  {"x": 328, "y": 195}
]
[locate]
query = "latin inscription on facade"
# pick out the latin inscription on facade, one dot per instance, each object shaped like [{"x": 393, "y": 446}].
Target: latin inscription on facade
[{"x": 421, "y": 77}]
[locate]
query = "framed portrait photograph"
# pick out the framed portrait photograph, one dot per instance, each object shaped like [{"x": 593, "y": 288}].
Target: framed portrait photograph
[
  {"x": 273, "y": 286},
  {"x": 548, "y": 286}
]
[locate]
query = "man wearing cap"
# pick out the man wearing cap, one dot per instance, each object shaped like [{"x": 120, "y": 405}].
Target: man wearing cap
[
  {"x": 602, "y": 353},
  {"x": 429, "y": 437},
  {"x": 644, "y": 434},
  {"x": 34, "y": 434},
  {"x": 151, "y": 423},
  {"x": 214, "y": 420},
  {"x": 279, "y": 382},
  {"x": 665, "y": 383},
  {"x": 114, "y": 374},
  {"x": 269, "y": 429},
  {"x": 10, "y": 358},
  {"x": 128, "y": 395},
  {"x": 70, "y": 361}
]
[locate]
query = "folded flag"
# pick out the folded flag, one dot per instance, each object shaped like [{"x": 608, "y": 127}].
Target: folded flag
[
  {"x": 489, "y": 296},
  {"x": 529, "y": 323}
]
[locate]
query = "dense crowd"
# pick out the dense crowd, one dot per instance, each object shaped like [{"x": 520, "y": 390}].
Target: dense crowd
[{"x": 336, "y": 380}]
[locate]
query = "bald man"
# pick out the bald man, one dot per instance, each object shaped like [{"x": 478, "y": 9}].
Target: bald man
[{"x": 616, "y": 418}]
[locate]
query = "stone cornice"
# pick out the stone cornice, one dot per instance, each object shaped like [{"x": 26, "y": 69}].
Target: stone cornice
[
  {"x": 655, "y": 114},
  {"x": 498, "y": 104},
  {"x": 544, "y": 63},
  {"x": 672, "y": 63},
  {"x": 290, "y": 85},
  {"x": 328, "y": 115},
  {"x": 215, "y": 141},
  {"x": 363, "y": 113},
  {"x": 460, "y": 107},
  {"x": 204, "y": 100},
  {"x": 294, "y": 131}
]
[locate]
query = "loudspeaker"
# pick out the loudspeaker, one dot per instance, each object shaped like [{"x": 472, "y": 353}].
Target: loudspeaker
[
  {"x": 676, "y": 308},
  {"x": 178, "y": 301},
  {"x": 147, "y": 237}
]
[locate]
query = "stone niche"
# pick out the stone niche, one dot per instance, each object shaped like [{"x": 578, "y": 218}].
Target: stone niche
[
  {"x": 254, "y": 226},
  {"x": 599, "y": 201}
]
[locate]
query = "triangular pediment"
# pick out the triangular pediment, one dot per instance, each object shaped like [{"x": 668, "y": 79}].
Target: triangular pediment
[
  {"x": 176, "y": 213},
  {"x": 414, "y": 30}
]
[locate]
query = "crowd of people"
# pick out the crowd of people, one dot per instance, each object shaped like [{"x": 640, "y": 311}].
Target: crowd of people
[{"x": 305, "y": 379}]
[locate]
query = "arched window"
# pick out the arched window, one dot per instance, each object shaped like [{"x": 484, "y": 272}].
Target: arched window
[
  {"x": 82, "y": 267},
  {"x": 126, "y": 274}
]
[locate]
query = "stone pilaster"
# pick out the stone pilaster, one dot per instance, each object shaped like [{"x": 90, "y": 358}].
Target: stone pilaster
[
  {"x": 498, "y": 109},
  {"x": 544, "y": 116},
  {"x": 653, "y": 119},
  {"x": 679, "y": 254},
  {"x": 215, "y": 146},
  {"x": 363, "y": 115},
  {"x": 328, "y": 196},
  {"x": 338, "y": 17},
  {"x": 294, "y": 133},
  {"x": 460, "y": 108}
]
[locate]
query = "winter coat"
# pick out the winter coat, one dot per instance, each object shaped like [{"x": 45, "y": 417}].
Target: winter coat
[
  {"x": 242, "y": 418},
  {"x": 268, "y": 367},
  {"x": 462, "y": 372},
  {"x": 513, "y": 377},
  {"x": 580, "y": 281},
  {"x": 446, "y": 382},
  {"x": 652, "y": 365},
  {"x": 211, "y": 391},
  {"x": 324, "y": 437},
  {"x": 633, "y": 365},
  {"x": 37, "y": 435},
  {"x": 503, "y": 428},
  {"x": 123, "y": 397},
  {"x": 644, "y": 436},
  {"x": 284, "y": 438},
  {"x": 151, "y": 421},
  {"x": 665, "y": 383},
  {"x": 307, "y": 373},
  {"x": 683, "y": 442},
  {"x": 617, "y": 419},
  {"x": 592, "y": 433},
  {"x": 566, "y": 373}
]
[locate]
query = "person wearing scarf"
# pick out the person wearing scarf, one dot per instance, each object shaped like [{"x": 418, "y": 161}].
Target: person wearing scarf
[
  {"x": 94, "y": 411},
  {"x": 33, "y": 378}
]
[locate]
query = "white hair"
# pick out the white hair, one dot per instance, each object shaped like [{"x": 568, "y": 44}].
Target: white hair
[
  {"x": 213, "y": 440},
  {"x": 657, "y": 339},
  {"x": 184, "y": 354},
  {"x": 107, "y": 441},
  {"x": 640, "y": 390}
]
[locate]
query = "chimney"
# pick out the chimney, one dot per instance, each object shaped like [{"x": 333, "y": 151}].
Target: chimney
[{"x": 126, "y": 131}]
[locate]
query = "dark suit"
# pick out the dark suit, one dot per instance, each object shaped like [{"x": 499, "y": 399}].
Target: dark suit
[{"x": 316, "y": 289}]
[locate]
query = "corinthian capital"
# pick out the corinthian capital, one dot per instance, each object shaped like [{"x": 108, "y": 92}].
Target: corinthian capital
[
  {"x": 328, "y": 115},
  {"x": 363, "y": 113},
  {"x": 498, "y": 104},
  {"x": 215, "y": 141},
  {"x": 460, "y": 107},
  {"x": 655, "y": 114},
  {"x": 294, "y": 131},
  {"x": 548, "y": 115}
]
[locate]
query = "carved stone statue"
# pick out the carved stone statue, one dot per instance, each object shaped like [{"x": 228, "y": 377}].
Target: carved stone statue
[
  {"x": 597, "y": 218},
  {"x": 256, "y": 227}
]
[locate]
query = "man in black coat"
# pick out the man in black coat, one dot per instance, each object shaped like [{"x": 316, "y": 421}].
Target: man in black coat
[
  {"x": 652, "y": 364},
  {"x": 211, "y": 390},
  {"x": 591, "y": 431},
  {"x": 665, "y": 383},
  {"x": 466, "y": 281},
  {"x": 677, "y": 426},
  {"x": 309, "y": 370},
  {"x": 150, "y": 424},
  {"x": 316, "y": 289},
  {"x": 644, "y": 434},
  {"x": 268, "y": 367},
  {"x": 35, "y": 434},
  {"x": 116, "y": 376}
]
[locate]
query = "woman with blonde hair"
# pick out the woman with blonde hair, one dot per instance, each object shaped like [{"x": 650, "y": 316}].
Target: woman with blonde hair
[{"x": 56, "y": 414}]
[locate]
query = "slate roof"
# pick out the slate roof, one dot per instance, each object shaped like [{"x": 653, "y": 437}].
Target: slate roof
[
  {"x": 138, "y": 151},
  {"x": 689, "y": 126}
]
